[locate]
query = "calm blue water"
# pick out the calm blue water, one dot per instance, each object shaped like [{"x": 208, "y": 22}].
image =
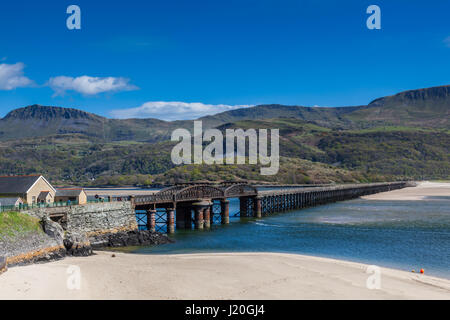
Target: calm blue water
[{"x": 397, "y": 234}]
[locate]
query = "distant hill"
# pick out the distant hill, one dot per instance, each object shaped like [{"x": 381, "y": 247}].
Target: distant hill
[
  {"x": 41, "y": 121},
  {"x": 430, "y": 98},
  {"x": 329, "y": 117},
  {"x": 428, "y": 107}
]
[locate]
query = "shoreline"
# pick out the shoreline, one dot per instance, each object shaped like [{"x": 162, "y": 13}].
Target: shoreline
[{"x": 256, "y": 276}]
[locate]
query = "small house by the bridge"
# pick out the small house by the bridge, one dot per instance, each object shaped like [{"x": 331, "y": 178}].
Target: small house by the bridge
[
  {"x": 14, "y": 202},
  {"x": 32, "y": 189},
  {"x": 73, "y": 195}
]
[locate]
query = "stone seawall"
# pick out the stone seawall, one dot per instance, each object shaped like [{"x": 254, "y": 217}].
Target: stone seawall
[
  {"x": 92, "y": 219},
  {"x": 101, "y": 218}
]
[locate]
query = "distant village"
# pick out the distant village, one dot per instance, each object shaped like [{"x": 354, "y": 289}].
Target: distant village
[{"x": 35, "y": 190}]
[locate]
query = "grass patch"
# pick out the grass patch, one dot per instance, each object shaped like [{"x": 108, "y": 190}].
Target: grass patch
[{"x": 15, "y": 223}]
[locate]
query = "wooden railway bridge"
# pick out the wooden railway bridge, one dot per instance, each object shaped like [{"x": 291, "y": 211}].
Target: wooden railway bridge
[{"x": 203, "y": 205}]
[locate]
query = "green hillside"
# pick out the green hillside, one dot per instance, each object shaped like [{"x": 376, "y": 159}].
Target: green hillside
[{"x": 391, "y": 150}]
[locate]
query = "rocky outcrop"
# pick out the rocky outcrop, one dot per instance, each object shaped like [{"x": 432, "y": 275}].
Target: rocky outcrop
[
  {"x": 77, "y": 245},
  {"x": 129, "y": 238},
  {"x": 52, "y": 229}
]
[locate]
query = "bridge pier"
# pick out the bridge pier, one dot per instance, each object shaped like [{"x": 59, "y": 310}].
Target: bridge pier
[
  {"x": 198, "y": 218},
  {"x": 257, "y": 209},
  {"x": 225, "y": 211},
  {"x": 170, "y": 220},
  {"x": 200, "y": 210},
  {"x": 151, "y": 220},
  {"x": 207, "y": 217}
]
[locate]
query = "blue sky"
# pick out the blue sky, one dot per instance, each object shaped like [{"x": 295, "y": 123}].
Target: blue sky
[{"x": 198, "y": 57}]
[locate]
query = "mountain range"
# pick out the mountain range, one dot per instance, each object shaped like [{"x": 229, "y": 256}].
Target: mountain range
[
  {"x": 406, "y": 135},
  {"x": 428, "y": 108}
]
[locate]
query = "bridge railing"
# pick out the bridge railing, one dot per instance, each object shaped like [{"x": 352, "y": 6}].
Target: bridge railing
[
  {"x": 330, "y": 188},
  {"x": 24, "y": 207}
]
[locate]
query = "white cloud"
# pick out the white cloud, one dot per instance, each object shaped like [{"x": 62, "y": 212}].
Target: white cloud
[
  {"x": 89, "y": 85},
  {"x": 12, "y": 76},
  {"x": 447, "y": 42},
  {"x": 173, "y": 110}
]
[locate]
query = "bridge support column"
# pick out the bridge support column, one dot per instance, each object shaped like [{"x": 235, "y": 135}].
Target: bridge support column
[
  {"x": 199, "y": 208},
  {"x": 170, "y": 220},
  {"x": 198, "y": 218},
  {"x": 257, "y": 209},
  {"x": 151, "y": 220},
  {"x": 225, "y": 211},
  {"x": 207, "y": 217}
]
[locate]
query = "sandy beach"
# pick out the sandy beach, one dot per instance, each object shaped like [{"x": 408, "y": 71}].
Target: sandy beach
[
  {"x": 423, "y": 191},
  {"x": 213, "y": 276}
]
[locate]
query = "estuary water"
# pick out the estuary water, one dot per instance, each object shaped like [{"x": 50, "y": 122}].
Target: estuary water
[{"x": 403, "y": 235}]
